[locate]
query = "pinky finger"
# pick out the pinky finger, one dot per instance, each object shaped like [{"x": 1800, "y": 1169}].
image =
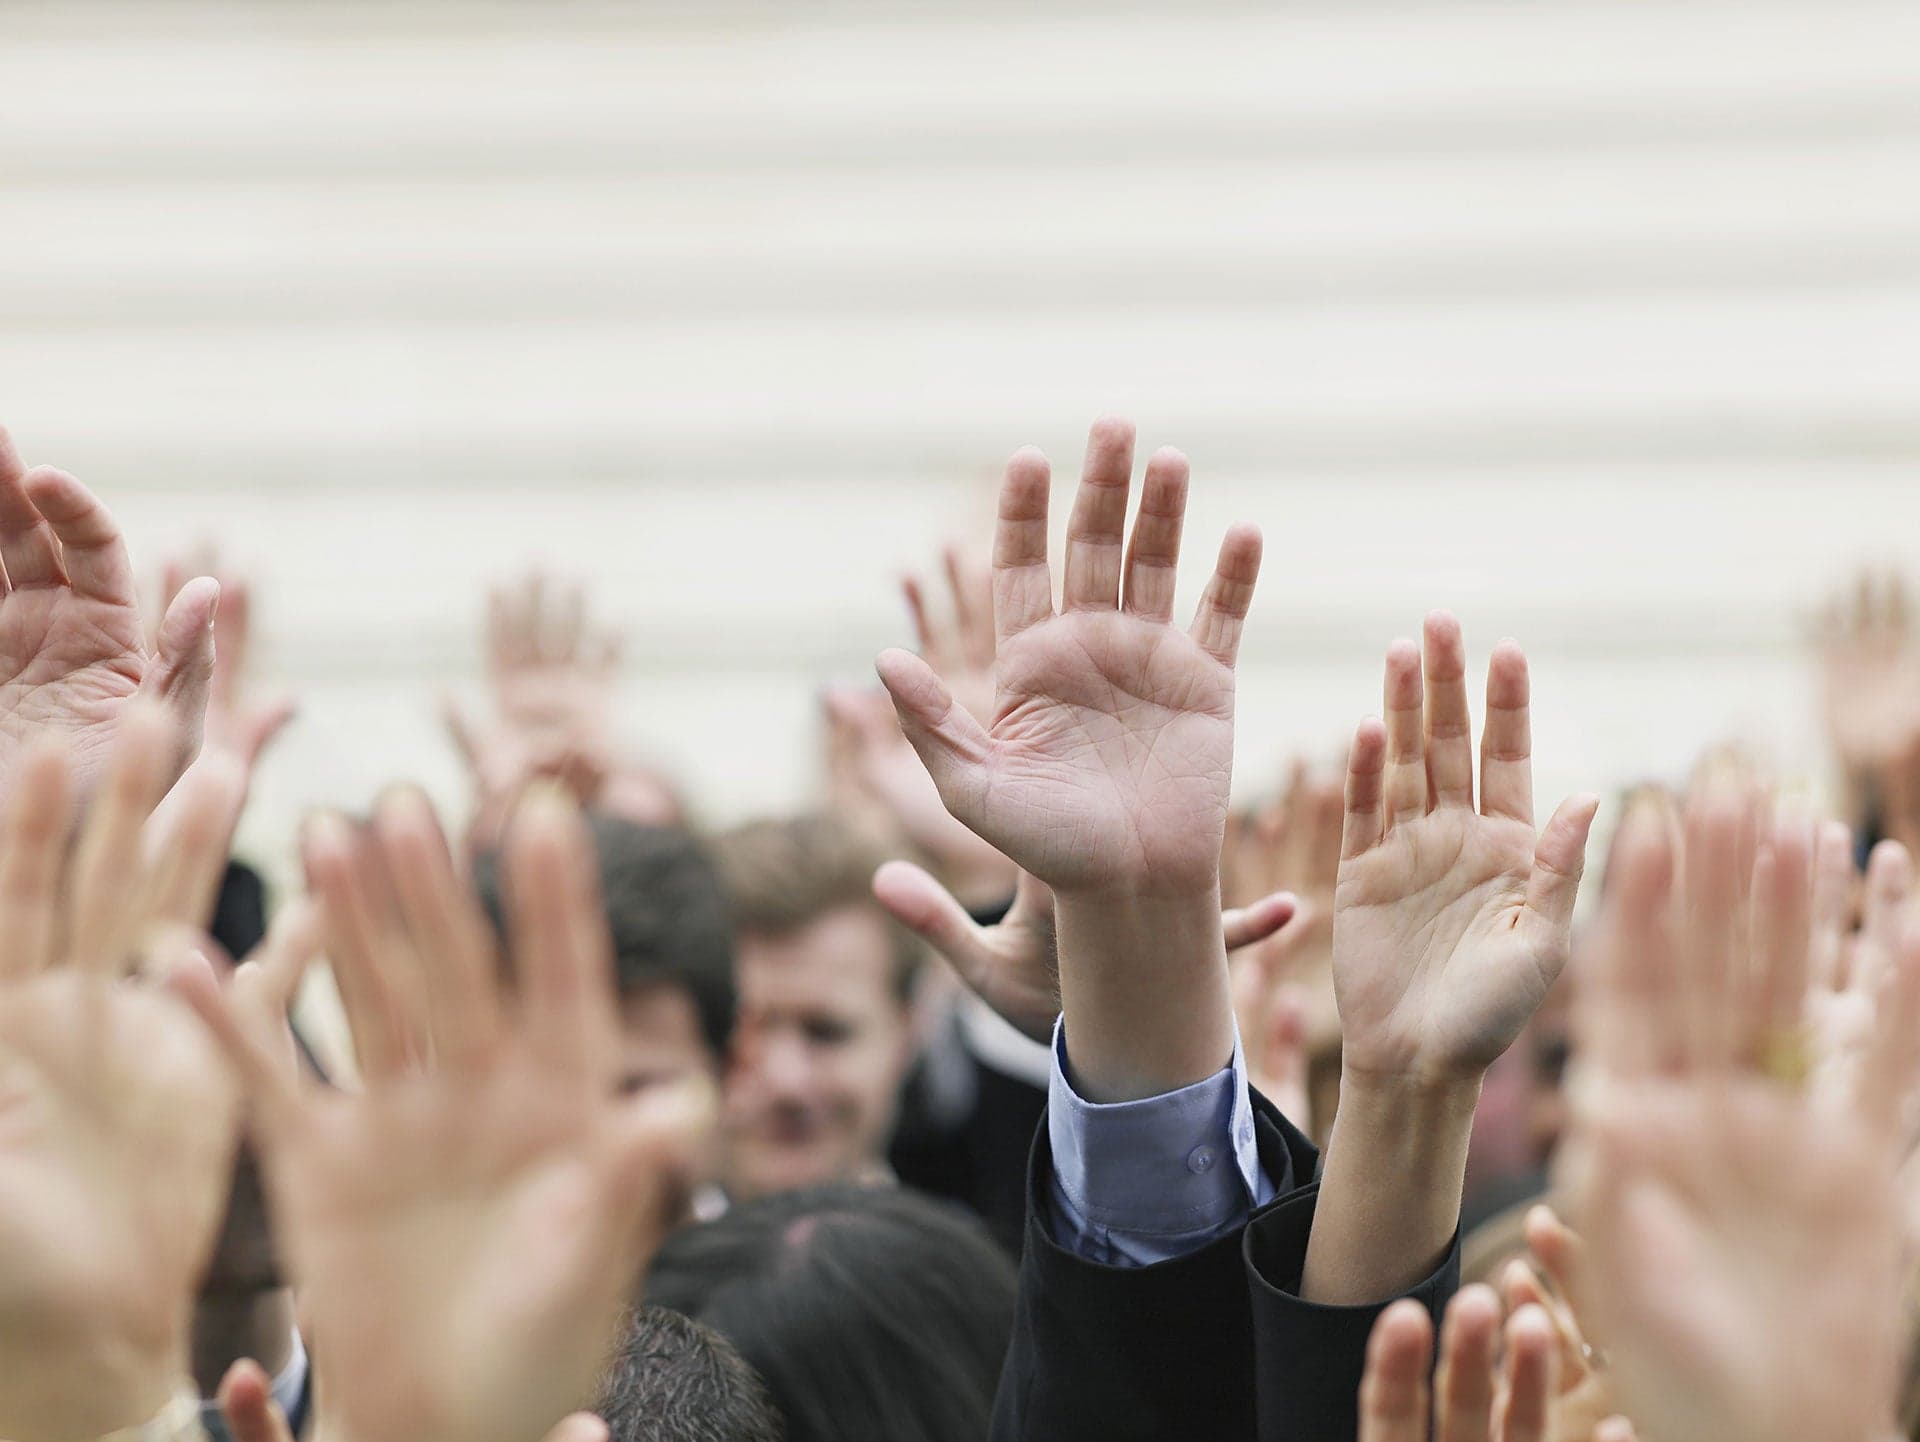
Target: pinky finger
[
  {"x": 1532, "y": 1370},
  {"x": 1222, "y": 614},
  {"x": 1366, "y": 789}
]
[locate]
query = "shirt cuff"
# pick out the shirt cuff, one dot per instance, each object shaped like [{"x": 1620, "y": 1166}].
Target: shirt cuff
[{"x": 1139, "y": 1182}]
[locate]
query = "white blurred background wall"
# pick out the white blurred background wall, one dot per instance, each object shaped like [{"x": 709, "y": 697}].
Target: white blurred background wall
[{"x": 1598, "y": 322}]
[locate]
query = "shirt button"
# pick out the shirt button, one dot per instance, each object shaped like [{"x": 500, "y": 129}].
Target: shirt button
[
  {"x": 1200, "y": 1160},
  {"x": 1246, "y": 1132}
]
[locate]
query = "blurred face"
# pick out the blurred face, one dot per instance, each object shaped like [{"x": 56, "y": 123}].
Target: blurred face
[
  {"x": 820, "y": 1049},
  {"x": 662, "y": 1048},
  {"x": 660, "y": 1040}
]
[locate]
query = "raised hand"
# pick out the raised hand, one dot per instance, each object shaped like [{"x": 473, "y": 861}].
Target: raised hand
[
  {"x": 1584, "y": 1406},
  {"x": 117, "y": 1121},
  {"x": 1103, "y": 770},
  {"x": 1870, "y": 665},
  {"x": 1475, "y": 1396},
  {"x": 1014, "y": 965},
  {"x": 1451, "y": 921},
  {"x": 72, "y": 647},
  {"x": 1739, "y": 1298},
  {"x": 549, "y": 665},
  {"x": 465, "y": 1231},
  {"x": 1107, "y": 757},
  {"x": 551, "y": 674}
]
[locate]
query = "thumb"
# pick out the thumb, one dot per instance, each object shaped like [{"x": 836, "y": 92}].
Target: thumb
[
  {"x": 1558, "y": 860},
  {"x": 951, "y": 744},
  {"x": 926, "y": 908},
  {"x": 182, "y": 673}
]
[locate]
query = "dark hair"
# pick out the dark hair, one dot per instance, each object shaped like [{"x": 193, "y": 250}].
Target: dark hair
[
  {"x": 668, "y": 912},
  {"x": 677, "y": 1381},
  {"x": 783, "y": 874},
  {"x": 874, "y": 1313}
]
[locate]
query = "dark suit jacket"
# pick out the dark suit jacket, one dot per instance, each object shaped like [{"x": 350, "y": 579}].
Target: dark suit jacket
[{"x": 1214, "y": 1346}]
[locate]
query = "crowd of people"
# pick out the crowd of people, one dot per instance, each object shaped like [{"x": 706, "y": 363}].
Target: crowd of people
[{"x": 1026, "y": 1088}]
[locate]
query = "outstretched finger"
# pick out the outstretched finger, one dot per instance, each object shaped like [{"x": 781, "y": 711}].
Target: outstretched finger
[
  {"x": 921, "y": 904},
  {"x": 26, "y": 540},
  {"x": 1559, "y": 859},
  {"x": 200, "y": 816},
  {"x": 1781, "y": 937},
  {"x": 182, "y": 673},
  {"x": 1506, "y": 741},
  {"x": 972, "y": 588},
  {"x": 925, "y": 639},
  {"x": 562, "y": 952},
  {"x": 92, "y": 550},
  {"x": 1628, "y": 1012},
  {"x": 1884, "y": 908},
  {"x": 1832, "y": 904},
  {"x": 1469, "y": 1336},
  {"x": 1532, "y": 1371},
  {"x": 1449, "y": 733},
  {"x": 1258, "y": 920},
  {"x": 364, "y": 949},
  {"x": 1022, "y": 581},
  {"x": 1405, "y": 706},
  {"x": 1366, "y": 790},
  {"x": 105, "y": 904},
  {"x": 33, "y": 852},
  {"x": 950, "y": 742},
  {"x": 1222, "y": 613},
  {"x": 451, "y": 938},
  {"x": 1153, "y": 553},
  {"x": 1395, "y": 1400},
  {"x": 1097, "y": 525}
]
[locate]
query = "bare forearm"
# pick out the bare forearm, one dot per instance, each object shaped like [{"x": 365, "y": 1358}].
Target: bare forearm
[
  {"x": 1143, "y": 986},
  {"x": 1390, "y": 1197}
]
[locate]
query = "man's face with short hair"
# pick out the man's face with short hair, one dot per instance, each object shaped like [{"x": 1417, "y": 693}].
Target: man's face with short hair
[{"x": 819, "y": 1052}]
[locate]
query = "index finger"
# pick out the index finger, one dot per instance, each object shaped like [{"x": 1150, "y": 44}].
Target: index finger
[{"x": 1022, "y": 581}]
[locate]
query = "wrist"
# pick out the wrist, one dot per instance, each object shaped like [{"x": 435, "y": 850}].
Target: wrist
[
  {"x": 1143, "y": 988},
  {"x": 1424, "y": 1118}
]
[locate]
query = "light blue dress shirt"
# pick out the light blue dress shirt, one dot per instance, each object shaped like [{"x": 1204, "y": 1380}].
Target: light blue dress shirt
[{"x": 1140, "y": 1182}]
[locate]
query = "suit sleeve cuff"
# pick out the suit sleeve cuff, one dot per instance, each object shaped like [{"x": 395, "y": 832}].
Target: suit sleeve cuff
[{"x": 1142, "y": 1181}]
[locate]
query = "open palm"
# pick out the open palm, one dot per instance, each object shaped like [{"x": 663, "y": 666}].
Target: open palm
[
  {"x": 1110, "y": 749},
  {"x": 72, "y": 649},
  {"x": 1450, "y": 923},
  {"x": 117, "y": 1120},
  {"x": 467, "y": 1230}
]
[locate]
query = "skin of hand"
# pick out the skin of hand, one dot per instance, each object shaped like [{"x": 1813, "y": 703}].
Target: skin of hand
[
  {"x": 1451, "y": 923},
  {"x": 1583, "y": 1402},
  {"x": 1014, "y": 965},
  {"x": 1293, "y": 845},
  {"x": 875, "y": 773},
  {"x": 552, "y": 674},
  {"x": 1870, "y": 669},
  {"x": 238, "y": 722},
  {"x": 466, "y": 1231},
  {"x": 1738, "y": 1298},
  {"x": 1273, "y": 1013},
  {"x": 1475, "y": 1395},
  {"x": 73, "y": 652},
  {"x": 117, "y": 1121},
  {"x": 1104, "y": 768}
]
